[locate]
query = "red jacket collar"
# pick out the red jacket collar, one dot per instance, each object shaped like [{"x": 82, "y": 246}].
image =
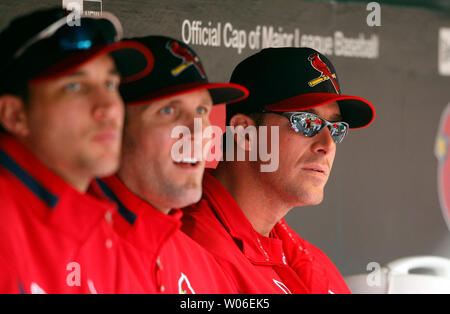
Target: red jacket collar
[
  {"x": 32, "y": 166},
  {"x": 60, "y": 206},
  {"x": 259, "y": 249},
  {"x": 149, "y": 229}
]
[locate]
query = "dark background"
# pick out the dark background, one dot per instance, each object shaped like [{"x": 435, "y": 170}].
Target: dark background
[{"x": 381, "y": 202}]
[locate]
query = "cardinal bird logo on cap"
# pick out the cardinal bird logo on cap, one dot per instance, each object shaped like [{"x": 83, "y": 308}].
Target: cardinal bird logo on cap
[
  {"x": 325, "y": 73},
  {"x": 184, "y": 286},
  {"x": 442, "y": 154},
  {"x": 188, "y": 57}
]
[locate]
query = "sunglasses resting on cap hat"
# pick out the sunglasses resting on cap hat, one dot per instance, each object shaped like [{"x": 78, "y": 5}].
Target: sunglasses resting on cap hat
[
  {"x": 295, "y": 79},
  {"x": 44, "y": 45},
  {"x": 177, "y": 70}
]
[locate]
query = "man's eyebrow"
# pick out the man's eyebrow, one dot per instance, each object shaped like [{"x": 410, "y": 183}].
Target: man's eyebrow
[
  {"x": 112, "y": 71},
  {"x": 77, "y": 73},
  {"x": 336, "y": 117},
  {"x": 175, "y": 101},
  {"x": 206, "y": 102}
]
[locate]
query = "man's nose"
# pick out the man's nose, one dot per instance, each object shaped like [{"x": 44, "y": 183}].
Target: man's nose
[
  {"x": 323, "y": 142},
  {"x": 196, "y": 124},
  {"x": 107, "y": 105}
]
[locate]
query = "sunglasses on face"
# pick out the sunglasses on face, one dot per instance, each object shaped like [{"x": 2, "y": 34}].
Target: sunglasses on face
[{"x": 309, "y": 124}]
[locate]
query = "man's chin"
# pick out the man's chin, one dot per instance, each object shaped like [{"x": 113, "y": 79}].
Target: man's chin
[
  {"x": 309, "y": 197},
  {"x": 187, "y": 197},
  {"x": 313, "y": 200},
  {"x": 106, "y": 167}
]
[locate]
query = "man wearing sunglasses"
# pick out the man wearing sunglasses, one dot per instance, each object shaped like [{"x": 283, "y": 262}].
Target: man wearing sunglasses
[
  {"x": 240, "y": 217},
  {"x": 62, "y": 118}
]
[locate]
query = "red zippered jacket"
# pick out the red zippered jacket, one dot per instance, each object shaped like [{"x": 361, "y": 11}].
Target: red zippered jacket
[
  {"x": 281, "y": 263},
  {"x": 54, "y": 239},
  {"x": 178, "y": 264}
]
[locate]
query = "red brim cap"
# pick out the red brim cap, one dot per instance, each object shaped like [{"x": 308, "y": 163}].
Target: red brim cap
[
  {"x": 358, "y": 112},
  {"x": 294, "y": 79},
  {"x": 133, "y": 61},
  {"x": 177, "y": 70},
  {"x": 221, "y": 93}
]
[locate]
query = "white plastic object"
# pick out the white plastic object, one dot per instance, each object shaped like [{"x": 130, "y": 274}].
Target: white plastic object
[
  {"x": 396, "y": 277},
  {"x": 400, "y": 280}
]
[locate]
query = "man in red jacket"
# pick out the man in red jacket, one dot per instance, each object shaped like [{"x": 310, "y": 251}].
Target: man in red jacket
[
  {"x": 155, "y": 178},
  {"x": 62, "y": 118},
  {"x": 295, "y": 100}
]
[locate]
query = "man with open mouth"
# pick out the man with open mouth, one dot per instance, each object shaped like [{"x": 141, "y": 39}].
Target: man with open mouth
[{"x": 154, "y": 181}]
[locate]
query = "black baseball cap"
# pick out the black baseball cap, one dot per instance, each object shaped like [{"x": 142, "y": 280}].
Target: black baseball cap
[
  {"x": 177, "y": 70},
  {"x": 294, "y": 79},
  {"x": 48, "y": 43}
]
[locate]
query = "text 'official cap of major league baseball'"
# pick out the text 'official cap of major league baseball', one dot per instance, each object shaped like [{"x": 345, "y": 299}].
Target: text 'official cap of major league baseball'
[
  {"x": 47, "y": 43},
  {"x": 177, "y": 70},
  {"x": 294, "y": 79}
]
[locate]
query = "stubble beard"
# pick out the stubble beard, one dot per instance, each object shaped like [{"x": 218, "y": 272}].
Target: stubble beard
[{"x": 181, "y": 194}]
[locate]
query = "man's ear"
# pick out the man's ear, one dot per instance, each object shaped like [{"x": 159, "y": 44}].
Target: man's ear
[
  {"x": 245, "y": 132},
  {"x": 13, "y": 117},
  {"x": 240, "y": 119}
]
